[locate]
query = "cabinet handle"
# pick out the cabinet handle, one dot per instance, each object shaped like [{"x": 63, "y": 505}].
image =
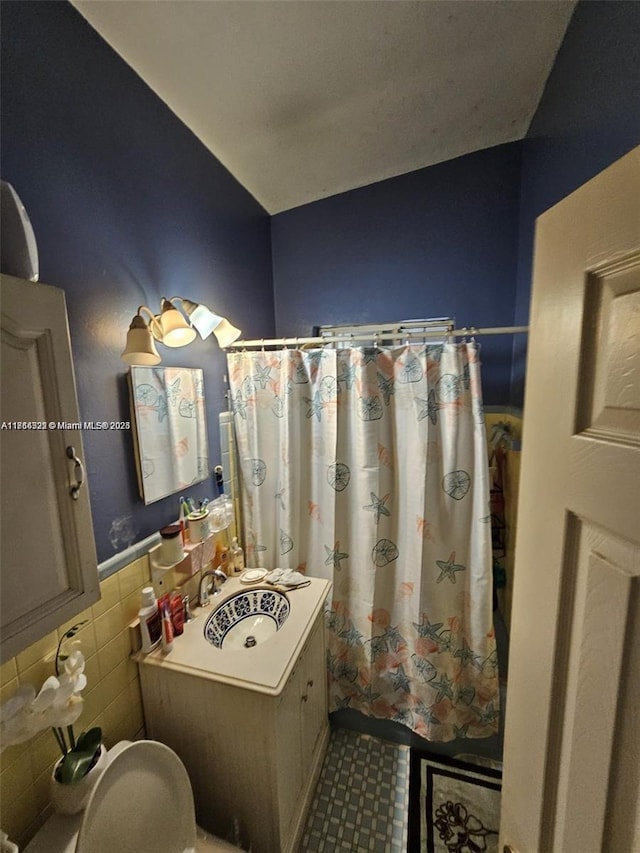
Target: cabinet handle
[
  {"x": 78, "y": 472},
  {"x": 304, "y": 698},
  {"x": 310, "y": 682}
]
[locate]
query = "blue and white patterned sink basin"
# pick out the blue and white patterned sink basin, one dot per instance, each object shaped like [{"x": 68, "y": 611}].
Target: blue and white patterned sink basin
[{"x": 247, "y": 619}]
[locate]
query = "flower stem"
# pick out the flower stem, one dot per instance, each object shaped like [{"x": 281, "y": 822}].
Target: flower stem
[
  {"x": 72, "y": 739},
  {"x": 60, "y": 738}
]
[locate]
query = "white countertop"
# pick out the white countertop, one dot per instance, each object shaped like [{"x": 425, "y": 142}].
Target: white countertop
[{"x": 264, "y": 668}]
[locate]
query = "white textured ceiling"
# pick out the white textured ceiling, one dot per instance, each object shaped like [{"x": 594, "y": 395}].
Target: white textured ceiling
[{"x": 303, "y": 99}]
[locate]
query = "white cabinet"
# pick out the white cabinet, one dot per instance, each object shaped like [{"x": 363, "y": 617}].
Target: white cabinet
[
  {"x": 301, "y": 720},
  {"x": 47, "y": 558},
  {"x": 250, "y": 755}
]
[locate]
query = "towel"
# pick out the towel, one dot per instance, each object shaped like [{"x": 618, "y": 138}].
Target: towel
[{"x": 287, "y": 578}]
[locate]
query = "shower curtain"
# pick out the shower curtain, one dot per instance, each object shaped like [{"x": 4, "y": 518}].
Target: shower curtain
[{"x": 368, "y": 467}]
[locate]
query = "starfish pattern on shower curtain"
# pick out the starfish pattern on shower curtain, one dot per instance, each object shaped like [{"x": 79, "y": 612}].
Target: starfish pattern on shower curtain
[{"x": 381, "y": 453}]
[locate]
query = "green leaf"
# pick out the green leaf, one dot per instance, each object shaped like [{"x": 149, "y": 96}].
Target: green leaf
[
  {"x": 90, "y": 739},
  {"x": 74, "y": 766},
  {"x": 77, "y": 762}
]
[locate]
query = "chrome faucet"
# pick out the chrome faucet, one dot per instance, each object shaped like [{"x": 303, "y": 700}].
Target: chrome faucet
[{"x": 205, "y": 589}]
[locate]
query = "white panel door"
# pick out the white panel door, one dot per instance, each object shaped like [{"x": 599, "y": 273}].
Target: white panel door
[{"x": 572, "y": 738}]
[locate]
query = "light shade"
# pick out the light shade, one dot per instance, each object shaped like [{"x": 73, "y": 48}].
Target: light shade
[
  {"x": 176, "y": 332},
  {"x": 140, "y": 347},
  {"x": 205, "y": 321},
  {"x": 200, "y": 317},
  {"x": 226, "y": 333}
]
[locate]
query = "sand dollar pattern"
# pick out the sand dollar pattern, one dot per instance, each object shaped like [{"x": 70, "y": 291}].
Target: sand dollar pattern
[
  {"x": 411, "y": 370},
  {"x": 384, "y": 552},
  {"x": 328, "y": 389},
  {"x": 286, "y": 543},
  {"x": 277, "y": 407},
  {"x": 338, "y": 476},
  {"x": 187, "y": 408},
  {"x": 456, "y": 484},
  {"x": 448, "y": 388},
  {"x": 258, "y": 471},
  {"x": 146, "y": 395},
  {"x": 370, "y": 408}
]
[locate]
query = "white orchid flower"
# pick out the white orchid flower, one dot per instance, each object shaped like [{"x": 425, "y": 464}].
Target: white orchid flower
[
  {"x": 57, "y": 705},
  {"x": 74, "y": 668}
]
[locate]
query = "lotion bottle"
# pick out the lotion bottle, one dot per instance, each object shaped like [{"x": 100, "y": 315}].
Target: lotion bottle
[{"x": 150, "y": 620}]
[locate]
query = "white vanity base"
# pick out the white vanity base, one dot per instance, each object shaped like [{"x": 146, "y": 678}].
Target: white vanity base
[{"x": 251, "y": 755}]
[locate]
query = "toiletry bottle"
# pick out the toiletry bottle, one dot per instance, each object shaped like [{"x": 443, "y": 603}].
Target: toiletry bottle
[
  {"x": 167, "y": 630},
  {"x": 237, "y": 557},
  {"x": 150, "y": 620},
  {"x": 176, "y": 606},
  {"x": 224, "y": 564}
]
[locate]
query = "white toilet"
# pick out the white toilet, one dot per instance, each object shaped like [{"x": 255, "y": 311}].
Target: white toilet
[{"x": 142, "y": 803}]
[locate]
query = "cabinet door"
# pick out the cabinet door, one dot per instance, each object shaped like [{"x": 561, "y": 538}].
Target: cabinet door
[
  {"x": 47, "y": 557},
  {"x": 313, "y": 696},
  {"x": 290, "y": 771}
]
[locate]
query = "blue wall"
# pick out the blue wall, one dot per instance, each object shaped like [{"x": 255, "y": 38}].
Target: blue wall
[
  {"x": 441, "y": 241},
  {"x": 588, "y": 117},
  {"x": 457, "y": 238},
  {"x": 127, "y": 206}
]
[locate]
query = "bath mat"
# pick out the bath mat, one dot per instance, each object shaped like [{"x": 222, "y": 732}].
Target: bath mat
[{"x": 454, "y": 806}]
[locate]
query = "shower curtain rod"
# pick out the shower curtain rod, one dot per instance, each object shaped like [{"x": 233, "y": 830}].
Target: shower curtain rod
[{"x": 470, "y": 331}]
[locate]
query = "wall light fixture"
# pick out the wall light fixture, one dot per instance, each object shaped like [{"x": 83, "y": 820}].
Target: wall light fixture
[{"x": 173, "y": 329}]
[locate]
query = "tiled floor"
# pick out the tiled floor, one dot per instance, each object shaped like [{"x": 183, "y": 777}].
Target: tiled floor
[{"x": 362, "y": 797}]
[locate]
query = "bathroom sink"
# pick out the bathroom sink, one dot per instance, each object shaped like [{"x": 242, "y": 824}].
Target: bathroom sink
[{"x": 247, "y": 619}]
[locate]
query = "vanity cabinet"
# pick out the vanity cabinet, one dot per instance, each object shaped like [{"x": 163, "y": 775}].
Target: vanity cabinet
[
  {"x": 250, "y": 756},
  {"x": 47, "y": 558}
]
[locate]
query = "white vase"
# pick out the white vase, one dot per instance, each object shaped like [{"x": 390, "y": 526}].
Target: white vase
[{"x": 72, "y": 798}]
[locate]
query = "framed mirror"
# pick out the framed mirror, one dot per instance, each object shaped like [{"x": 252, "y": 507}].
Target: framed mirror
[{"x": 168, "y": 411}]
